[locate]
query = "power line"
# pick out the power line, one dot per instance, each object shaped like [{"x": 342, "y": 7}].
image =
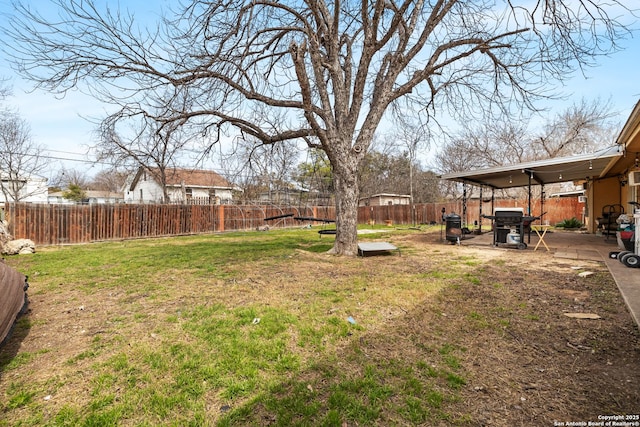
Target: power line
[{"x": 68, "y": 159}]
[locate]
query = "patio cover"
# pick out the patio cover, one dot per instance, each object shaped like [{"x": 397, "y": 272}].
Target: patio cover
[{"x": 542, "y": 172}]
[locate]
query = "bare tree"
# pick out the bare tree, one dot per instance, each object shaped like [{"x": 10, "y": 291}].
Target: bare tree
[
  {"x": 21, "y": 161},
  {"x": 261, "y": 167},
  {"x": 581, "y": 128},
  {"x": 488, "y": 144},
  {"x": 331, "y": 69},
  {"x": 112, "y": 180},
  {"x": 149, "y": 145},
  {"x": 5, "y": 90},
  {"x": 427, "y": 189},
  {"x": 405, "y": 141},
  {"x": 66, "y": 178}
]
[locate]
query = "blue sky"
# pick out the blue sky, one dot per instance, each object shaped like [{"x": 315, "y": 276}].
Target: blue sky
[{"x": 61, "y": 125}]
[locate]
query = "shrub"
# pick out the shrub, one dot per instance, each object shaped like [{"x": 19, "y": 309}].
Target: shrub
[{"x": 570, "y": 223}]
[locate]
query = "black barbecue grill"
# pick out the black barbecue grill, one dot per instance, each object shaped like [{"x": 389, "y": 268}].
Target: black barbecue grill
[{"x": 509, "y": 227}]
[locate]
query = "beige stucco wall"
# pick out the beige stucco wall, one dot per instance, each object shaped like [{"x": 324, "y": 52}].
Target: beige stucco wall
[{"x": 601, "y": 194}]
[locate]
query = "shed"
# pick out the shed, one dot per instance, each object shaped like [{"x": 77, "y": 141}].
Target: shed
[{"x": 385, "y": 199}]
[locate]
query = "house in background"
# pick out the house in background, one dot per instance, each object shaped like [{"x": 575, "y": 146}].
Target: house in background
[
  {"x": 284, "y": 196},
  {"x": 31, "y": 189},
  {"x": 385, "y": 199},
  {"x": 92, "y": 197},
  {"x": 183, "y": 186},
  {"x": 99, "y": 197},
  {"x": 57, "y": 198}
]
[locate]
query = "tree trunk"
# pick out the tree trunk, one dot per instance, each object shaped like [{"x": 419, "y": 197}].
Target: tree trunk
[{"x": 346, "y": 190}]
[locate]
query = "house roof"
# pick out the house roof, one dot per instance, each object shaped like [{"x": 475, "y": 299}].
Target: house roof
[
  {"x": 103, "y": 194},
  {"x": 196, "y": 178},
  {"x": 189, "y": 177},
  {"x": 373, "y": 196},
  {"x": 548, "y": 171},
  {"x": 573, "y": 193},
  {"x": 629, "y": 138},
  {"x": 630, "y": 134}
]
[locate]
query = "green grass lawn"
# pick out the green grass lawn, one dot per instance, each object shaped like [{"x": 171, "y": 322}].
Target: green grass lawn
[{"x": 256, "y": 328}]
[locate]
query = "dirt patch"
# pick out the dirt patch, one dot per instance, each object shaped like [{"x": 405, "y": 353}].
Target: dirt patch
[{"x": 528, "y": 362}]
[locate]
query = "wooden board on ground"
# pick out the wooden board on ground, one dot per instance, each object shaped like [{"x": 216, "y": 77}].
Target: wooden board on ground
[{"x": 376, "y": 248}]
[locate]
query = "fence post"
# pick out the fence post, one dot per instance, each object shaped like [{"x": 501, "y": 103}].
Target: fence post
[{"x": 220, "y": 217}]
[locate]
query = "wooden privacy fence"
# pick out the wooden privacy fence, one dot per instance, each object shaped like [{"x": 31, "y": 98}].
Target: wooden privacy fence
[
  {"x": 555, "y": 210},
  {"x": 50, "y": 224}
]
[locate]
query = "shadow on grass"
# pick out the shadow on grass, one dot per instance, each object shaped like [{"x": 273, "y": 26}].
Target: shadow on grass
[
  {"x": 397, "y": 376},
  {"x": 461, "y": 359},
  {"x": 15, "y": 306},
  {"x": 9, "y": 349}
]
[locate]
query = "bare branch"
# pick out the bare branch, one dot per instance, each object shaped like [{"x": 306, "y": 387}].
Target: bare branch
[{"x": 21, "y": 160}]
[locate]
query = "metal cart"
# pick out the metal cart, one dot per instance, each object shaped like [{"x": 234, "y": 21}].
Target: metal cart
[{"x": 629, "y": 241}]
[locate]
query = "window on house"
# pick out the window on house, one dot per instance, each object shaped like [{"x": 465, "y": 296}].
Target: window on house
[
  {"x": 188, "y": 193},
  {"x": 141, "y": 198}
]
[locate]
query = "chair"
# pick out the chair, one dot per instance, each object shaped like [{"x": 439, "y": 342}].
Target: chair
[{"x": 607, "y": 222}]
